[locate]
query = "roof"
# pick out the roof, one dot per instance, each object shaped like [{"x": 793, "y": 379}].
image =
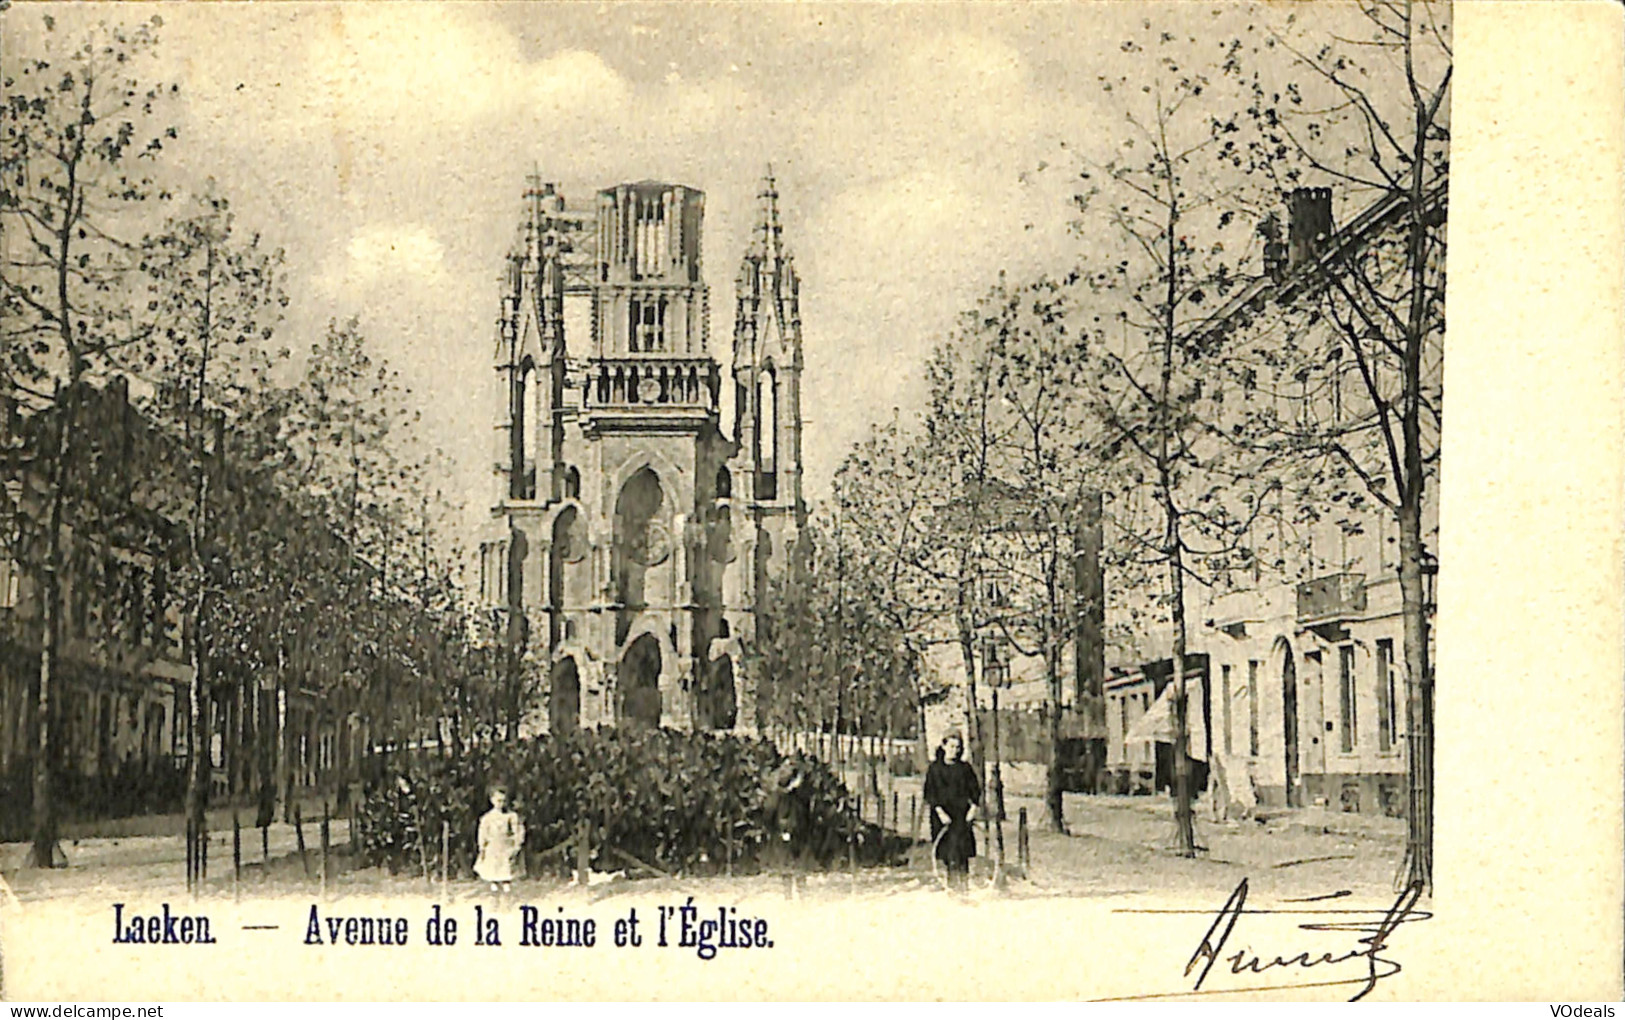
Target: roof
[{"x": 1375, "y": 218}]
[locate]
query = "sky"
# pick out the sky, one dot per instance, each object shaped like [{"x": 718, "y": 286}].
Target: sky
[{"x": 919, "y": 151}]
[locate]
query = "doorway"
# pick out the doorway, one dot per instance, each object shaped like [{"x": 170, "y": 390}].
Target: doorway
[
  {"x": 564, "y": 701},
  {"x": 639, "y": 684},
  {"x": 1289, "y": 724}
]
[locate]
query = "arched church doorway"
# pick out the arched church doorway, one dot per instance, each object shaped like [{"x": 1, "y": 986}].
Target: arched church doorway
[
  {"x": 718, "y": 708},
  {"x": 641, "y": 541},
  {"x": 569, "y": 548},
  {"x": 1289, "y": 721},
  {"x": 638, "y": 684},
  {"x": 564, "y": 698}
]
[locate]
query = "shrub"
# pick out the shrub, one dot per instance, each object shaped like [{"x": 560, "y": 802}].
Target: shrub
[{"x": 678, "y": 801}]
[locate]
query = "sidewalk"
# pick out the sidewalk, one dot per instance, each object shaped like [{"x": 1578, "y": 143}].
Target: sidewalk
[{"x": 160, "y": 840}]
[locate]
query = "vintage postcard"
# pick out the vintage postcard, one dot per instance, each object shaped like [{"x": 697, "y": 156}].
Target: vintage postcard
[{"x": 811, "y": 501}]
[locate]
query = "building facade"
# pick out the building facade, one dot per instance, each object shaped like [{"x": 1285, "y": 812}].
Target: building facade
[
  {"x": 632, "y": 533},
  {"x": 1305, "y": 651},
  {"x": 123, "y": 668}
]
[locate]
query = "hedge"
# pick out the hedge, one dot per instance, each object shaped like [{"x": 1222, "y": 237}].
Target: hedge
[{"x": 682, "y": 802}]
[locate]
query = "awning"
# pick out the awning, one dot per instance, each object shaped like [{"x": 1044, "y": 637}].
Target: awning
[{"x": 1158, "y": 722}]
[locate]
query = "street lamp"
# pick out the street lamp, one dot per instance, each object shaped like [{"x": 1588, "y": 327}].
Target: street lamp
[
  {"x": 1429, "y": 565},
  {"x": 997, "y": 673}
]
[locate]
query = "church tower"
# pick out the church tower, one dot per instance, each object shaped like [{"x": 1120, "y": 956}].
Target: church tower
[
  {"x": 625, "y": 562},
  {"x": 767, "y": 367}
]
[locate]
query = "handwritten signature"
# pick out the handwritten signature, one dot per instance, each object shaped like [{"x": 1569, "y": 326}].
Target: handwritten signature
[{"x": 1374, "y": 965}]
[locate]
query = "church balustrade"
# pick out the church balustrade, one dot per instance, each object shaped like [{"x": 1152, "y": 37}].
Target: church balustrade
[{"x": 650, "y": 382}]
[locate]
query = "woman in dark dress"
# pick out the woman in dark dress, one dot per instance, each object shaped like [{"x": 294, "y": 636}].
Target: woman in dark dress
[{"x": 952, "y": 791}]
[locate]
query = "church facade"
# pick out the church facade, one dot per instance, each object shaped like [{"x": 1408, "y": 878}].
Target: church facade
[{"x": 632, "y": 535}]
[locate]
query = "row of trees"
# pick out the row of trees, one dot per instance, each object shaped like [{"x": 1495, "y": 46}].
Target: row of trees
[
  {"x": 302, "y": 529},
  {"x": 1197, "y": 371}
]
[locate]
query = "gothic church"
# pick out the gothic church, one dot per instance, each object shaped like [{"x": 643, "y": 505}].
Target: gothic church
[{"x": 632, "y": 535}]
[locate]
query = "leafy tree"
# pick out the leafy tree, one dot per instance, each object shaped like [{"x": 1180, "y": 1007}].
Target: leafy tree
[
  {"x": 347, "y": 425},
  {"x": 215, "y": 300},
  {"x": 829, "y": 656},
  {"x": 1366, "y": 106},
  {"x": 883, "y": 496},
  {"x": 78, "y": 127},
  {"x": 972, "y": 523},
  {"x": 1027, "y": 446},
  {"x": 1159, "y": 394}
]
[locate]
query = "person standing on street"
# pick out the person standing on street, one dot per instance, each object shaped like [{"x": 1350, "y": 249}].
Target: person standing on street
[
  {"x": 501, "y": 838},
  {"x": 952, "y": 792}
]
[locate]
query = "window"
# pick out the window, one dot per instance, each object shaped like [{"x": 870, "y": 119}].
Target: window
[
  {"x": 11, "y": 536},
  {"x": 1346, "y": 702},
  {"x": 1385, "y": 694},
  {"x": 648, "y": 332},
  {"x": 1224, "y": 673},
  {"x": 10, "y": 586},
  {"x": 1252, "y": 707},
  {"x": 767, "y": 420},
  {"x": 155, "y": 607},
  {"x": 137, "y": 607}
]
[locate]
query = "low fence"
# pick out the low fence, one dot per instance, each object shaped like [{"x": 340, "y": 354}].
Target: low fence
[{"x": 904, "y": 755}]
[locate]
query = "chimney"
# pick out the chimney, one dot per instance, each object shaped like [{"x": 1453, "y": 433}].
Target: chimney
[
  {"x": 1274, "y": 248},
  {"x": 1309, "y": 224}
]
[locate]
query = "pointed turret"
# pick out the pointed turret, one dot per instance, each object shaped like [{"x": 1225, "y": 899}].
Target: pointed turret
[
  {"x": 530, "y": 355},
  {"x": 767, "y": 364}
]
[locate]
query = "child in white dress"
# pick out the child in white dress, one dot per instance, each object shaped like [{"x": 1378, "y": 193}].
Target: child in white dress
[{"x": 502, "y": 834}]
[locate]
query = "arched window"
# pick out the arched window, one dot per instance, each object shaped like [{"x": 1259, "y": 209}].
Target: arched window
[
  {"x": 767, "y": 434},
  {"x": 524, "y": 467},
  {"x": 725, "y": 483},
  {"x": 767, "y": 424},
  {"x": 572, "y": 483}
]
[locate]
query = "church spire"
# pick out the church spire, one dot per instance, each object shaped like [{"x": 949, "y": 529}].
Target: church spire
[
  {"x": 767, "y": 363},
  {"x": 768, "y": 243}
]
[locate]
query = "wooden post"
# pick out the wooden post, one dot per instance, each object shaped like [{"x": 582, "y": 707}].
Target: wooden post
[
  {"x": 583, "y": 856},
  {"x": 299, "y": 835},
  {"x": 987, "y": 836},
  {"x": 326, "y": 842},
  {"x": 265, "y": 843},
  {"x": 1021, "y": 837},
  {"x": 913, "y": 818},
  {"x": 236, "y": 852},
  {"x": 894, "y": 820},
  {"x": 445, "y": 856},
  {"x": 852, "y": 845}
]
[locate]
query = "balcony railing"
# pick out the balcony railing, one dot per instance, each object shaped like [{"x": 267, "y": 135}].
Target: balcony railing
[
  {"x": 1331, "y": 597},
  {"x": 655, "y": 383}
]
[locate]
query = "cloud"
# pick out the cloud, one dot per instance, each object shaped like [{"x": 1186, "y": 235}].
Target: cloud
[
  {"x": 574, "y": 83},
  {"x": 406, "y": 250}
]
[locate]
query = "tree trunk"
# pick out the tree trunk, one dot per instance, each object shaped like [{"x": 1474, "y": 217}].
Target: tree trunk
[
  {"x": 1418, "y": 672},
  {"x": 42, "y": 853},
  {"x": 1055, "y": 795},
  {"x": 1418, "y": 698},
  {"x": 973, "y": 716},
  {"x": 199, "y": 768},
  {"x": 1184, "y": 821}
]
